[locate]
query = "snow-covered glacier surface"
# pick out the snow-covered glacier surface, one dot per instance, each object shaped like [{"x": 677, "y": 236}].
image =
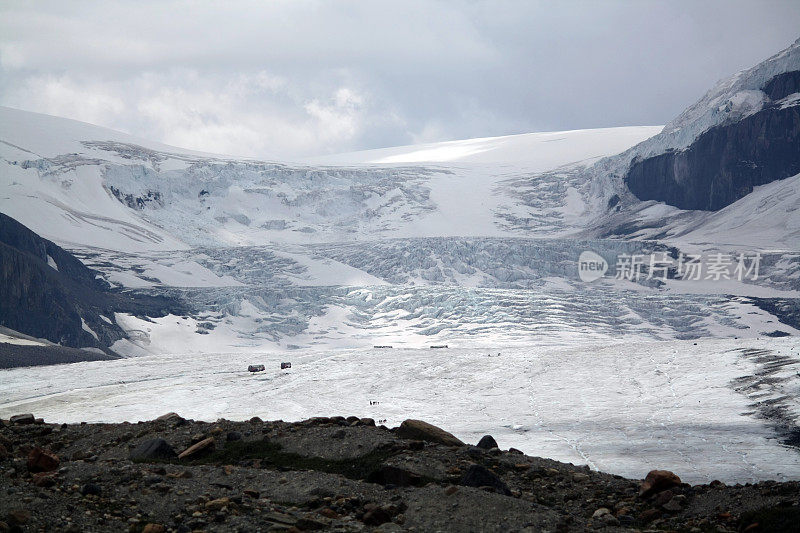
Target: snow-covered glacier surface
[{"x": 620, "y": 407}]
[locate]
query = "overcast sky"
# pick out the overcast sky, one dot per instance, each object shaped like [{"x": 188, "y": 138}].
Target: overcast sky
[{"x": 297, "y": 77}]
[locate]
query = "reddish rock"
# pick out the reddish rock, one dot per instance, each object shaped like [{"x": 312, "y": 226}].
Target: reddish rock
[
  {"x": 40, "y": 460},
  {"x": 329, "y": 513},
  {"x": 376, "y": 516},
  {"x": 19, "y": 516},
  {"x": 154, "y": 528},
  {"x": 648, "y": 515},
  {"x": 44, "y": 479},
  {"x": 657, "y": 481}
]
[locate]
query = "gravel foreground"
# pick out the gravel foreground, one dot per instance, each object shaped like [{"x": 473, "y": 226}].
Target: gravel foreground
[{"x": 339, "y": 474}]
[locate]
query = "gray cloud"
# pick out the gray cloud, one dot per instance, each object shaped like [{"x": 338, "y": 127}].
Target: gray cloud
[{"x": 301, "y": 77}]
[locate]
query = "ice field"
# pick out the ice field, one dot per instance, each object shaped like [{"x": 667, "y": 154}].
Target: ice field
[{"x": 622, "y": 407}]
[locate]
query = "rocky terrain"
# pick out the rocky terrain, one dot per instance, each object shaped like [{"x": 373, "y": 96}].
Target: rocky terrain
[{"x": 339, "y": 474}]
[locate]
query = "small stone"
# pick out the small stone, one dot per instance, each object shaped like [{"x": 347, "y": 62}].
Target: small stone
[
  {"x": 580, "y": 477},
  {"x": 22, "y": 419},
  {"x": 478, "y": 476},
  {"x": 219, "y": 503},
  {"x": 40, "y": 460},
  {"x": 648, "y": 515},
  {"x": 196, "y": 450},
  {"x": 44, "y": 479},
  {"x": 376, "y": 516},
  {"x": 674, "y": 505},
  {"x": 487, "y": 442},
  {"x": 91, "y": 489},
  {"x": 3, "y": 453},
  {"x": 452, "y": 489},
  {"x": 609, "y": 520},
  {"x": 657, "y": 481},
  {"x": 252, "y": 493},
  {"x": 233, "y": 436},
  {"x": 154, "y": 528},
  {"x": 19, "y": 516},
  {"x": 327, "y": 512},
  {"x": 152, "y": 449},
  {"x": 309, "y": 524},
  {"x": 662, "y": 498},
  {"x": 280, "y": 518},
  {"x": 601, "y": 512},
  {"x": 217, "y": 431},
  {"x": 367, "y": 422}
]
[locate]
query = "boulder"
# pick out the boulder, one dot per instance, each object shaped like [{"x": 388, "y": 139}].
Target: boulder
[
  {"x": 419, "y": 430},
  {"x": 478, "y": 476},
  {"x": 173, "y": 419},
  {"x": 487, "y": 442},
  {"x": 152, "y": 449},
  {"x": 23, "y": 419},
  {"x": 40, "y": 460},
  {"x": 657, "y": 481},
  {"x": 196, "y": 450}
]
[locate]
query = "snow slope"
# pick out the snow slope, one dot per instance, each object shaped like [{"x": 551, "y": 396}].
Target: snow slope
[{"x": 533, "y": 151}]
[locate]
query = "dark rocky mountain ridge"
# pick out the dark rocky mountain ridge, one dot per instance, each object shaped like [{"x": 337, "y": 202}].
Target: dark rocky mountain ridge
[
  {"x": 727, "y": 161},
  {"x": 48, "y": 293}
]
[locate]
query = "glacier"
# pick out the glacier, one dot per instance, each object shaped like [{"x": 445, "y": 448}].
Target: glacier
[{"x": 471, "y": 244}]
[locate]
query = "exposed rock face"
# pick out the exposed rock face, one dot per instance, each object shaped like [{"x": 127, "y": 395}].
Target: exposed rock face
[
  {"x": 724, "y": 163},
  {"x": 47, "y": 291},
  {"x": 783, "y": 85}
]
